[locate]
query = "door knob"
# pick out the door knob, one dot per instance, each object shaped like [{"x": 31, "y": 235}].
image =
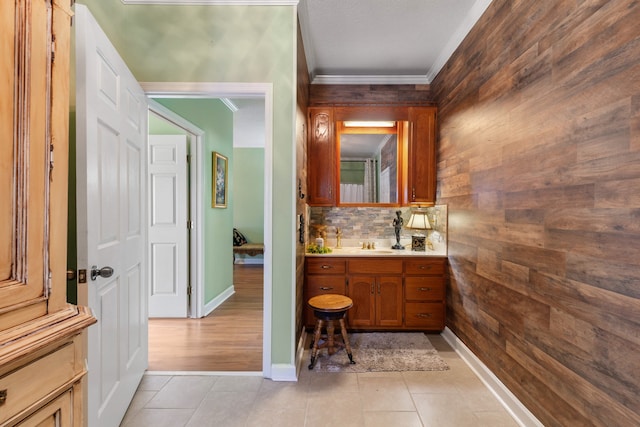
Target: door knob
[{"x": 103, "y": 272}]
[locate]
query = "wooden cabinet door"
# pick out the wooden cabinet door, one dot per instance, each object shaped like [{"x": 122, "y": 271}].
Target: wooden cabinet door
[
  {"x": 421, "y": 185},
  {"x": 321, "y": 159},
  {"x": 377, "y": 301},
  {"x": 389, "y": 301},
  {"x": 25, "y": 158},
  {"x": 361, "y": 289}
]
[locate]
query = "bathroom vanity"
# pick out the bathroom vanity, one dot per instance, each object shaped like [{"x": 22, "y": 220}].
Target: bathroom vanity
[{"x": 390, "y": 289}]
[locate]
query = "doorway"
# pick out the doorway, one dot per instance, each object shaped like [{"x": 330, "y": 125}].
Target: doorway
[{"x": 212, "y": 90}]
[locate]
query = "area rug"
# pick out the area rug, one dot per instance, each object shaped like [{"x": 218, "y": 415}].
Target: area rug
[{"x": 382, "y": 352}]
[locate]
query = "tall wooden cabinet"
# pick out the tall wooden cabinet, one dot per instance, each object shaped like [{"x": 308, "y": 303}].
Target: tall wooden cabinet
[{"x": 41, "y": 352}]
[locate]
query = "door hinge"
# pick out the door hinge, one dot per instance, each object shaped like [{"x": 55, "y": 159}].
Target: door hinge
[
  {"x": 53, "y": 48},
  {"x": 189, "y": 290},
  {"x": 188, "y": 158},
  {"x": 190, "y": 224},
  {"x": 49, "y": 280},
  {"x": 50, "y": 161}
]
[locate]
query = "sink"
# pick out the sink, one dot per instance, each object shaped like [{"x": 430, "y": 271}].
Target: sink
[{"x": 360, "y": 251}]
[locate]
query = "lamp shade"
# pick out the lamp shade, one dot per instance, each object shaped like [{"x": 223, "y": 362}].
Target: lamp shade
[{"x": 419, "y": 221}]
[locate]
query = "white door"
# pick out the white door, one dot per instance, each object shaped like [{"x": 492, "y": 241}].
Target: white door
[
  {"x": 168, "y": 233},
  {"x": 111, "y": 111}
]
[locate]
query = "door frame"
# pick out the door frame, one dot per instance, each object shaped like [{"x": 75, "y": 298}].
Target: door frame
[
  {"x": 238, "y": 90},
  {"x": 196, "y": 180}
]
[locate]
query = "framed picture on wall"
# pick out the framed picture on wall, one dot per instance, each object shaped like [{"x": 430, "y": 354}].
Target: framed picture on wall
[{"x": 219, "y": 172}]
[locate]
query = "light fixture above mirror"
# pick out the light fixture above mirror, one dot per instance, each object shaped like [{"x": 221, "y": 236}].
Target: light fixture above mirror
[{"x": 368, "y": 124}]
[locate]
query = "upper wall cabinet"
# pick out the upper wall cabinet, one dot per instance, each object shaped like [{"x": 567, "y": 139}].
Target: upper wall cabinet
[
  {"x": 421, "y": 157},
  {"x": 371, "y": 156},
  {"x": 321, "y": 157}
]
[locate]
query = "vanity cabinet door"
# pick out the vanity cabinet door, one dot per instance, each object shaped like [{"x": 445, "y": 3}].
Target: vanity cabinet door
[
  {"x": 362, "y": 290},
  {"x": 321, "y": 158},
  {"x": 421, "y": 184},
  {"x": 377, "y": 301},
  {"x": 389, "y": 301}
]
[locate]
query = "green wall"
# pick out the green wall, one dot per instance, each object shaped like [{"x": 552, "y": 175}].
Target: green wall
[
  {"x": 227, "y": 44},
  {"x": 216, "y": 120},
  {"x": 248, "y": 192}
]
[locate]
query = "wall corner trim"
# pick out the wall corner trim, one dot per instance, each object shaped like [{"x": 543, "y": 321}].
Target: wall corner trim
[{"x": 508, "y": 400}]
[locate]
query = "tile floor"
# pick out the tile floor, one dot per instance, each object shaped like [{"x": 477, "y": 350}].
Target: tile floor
[{"x": 455, "y": 398}]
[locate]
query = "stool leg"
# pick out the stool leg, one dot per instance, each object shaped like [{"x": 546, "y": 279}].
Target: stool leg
[
  {"x": 331, "y": 329},
  {"x": 316, "y": 340},
  {"x": 345, "y": 338}
]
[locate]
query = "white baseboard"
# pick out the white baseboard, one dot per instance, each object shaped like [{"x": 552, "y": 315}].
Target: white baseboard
[
  {"x": 214, "y": 303},
  {"x": 283, "y": 372},
  {"x": 516, "y": 409}
]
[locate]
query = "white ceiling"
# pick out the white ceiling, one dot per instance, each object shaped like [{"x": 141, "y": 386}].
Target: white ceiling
[{"x": 383, "y": 41}]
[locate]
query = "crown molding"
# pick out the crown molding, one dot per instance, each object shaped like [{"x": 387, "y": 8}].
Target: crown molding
[
  {"x": 323, "y": 79},
  {"x": 215, "y": 2},
  {"x": 474, "y": 14}
]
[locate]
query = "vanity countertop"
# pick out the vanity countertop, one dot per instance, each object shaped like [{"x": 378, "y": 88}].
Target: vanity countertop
[{"x": 381, "y": 252}]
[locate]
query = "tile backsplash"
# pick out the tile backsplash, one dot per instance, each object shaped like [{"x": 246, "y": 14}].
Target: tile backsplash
[{"x": 372, "y": 223}]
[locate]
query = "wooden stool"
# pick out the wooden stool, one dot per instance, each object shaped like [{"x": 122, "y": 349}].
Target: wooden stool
[{"x": 329, "y": 308}]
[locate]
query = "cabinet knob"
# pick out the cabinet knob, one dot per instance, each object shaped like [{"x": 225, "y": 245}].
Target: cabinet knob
[
  {"x": 423, "y": 315},
  {"x": 424, "y": 289},
  {"x": 3, "y": 396},
  {"x": 325, "y": 288},
  {"x": 326, "y": 267},
  {"x": 425, "y": 267}
]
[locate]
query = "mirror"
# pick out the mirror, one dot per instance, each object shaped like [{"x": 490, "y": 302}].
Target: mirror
[{"x": 368, "y": 162}]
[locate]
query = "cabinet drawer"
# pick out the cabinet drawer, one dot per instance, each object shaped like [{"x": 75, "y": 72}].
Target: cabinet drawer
[
  {"x": 32, "y": 382},
  {"x": 375, "y": 266},
  {"x": 319, "y": 285},
  {"x": 424, "y": 266},
  {"x": 424, "y": 315},
  {"x": 426, "y": 288},
  {"x": 326, "y": 265}
]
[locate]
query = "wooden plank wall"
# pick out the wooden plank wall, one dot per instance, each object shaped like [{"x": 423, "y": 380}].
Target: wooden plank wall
[
  {"x": 539, "y": 164},
  {"x": 350, "y": 95}
]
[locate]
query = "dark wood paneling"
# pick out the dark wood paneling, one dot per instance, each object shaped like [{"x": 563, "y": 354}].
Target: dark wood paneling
[
  {"x": 346, "y": 95},
  {"x": 302, "y": 102},
  {"x": 539, "y": 164}
]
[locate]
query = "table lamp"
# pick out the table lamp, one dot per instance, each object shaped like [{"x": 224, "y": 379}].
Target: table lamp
[{"x": 418, "y": 221}]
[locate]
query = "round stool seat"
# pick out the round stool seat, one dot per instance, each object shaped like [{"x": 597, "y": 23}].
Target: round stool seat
[
  {"x": 331, "y": 303},
  {"x": 328, "y": 308}
]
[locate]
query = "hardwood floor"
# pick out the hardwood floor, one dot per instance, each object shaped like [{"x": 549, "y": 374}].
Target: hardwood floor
[{"x": 229, "y": 339}]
